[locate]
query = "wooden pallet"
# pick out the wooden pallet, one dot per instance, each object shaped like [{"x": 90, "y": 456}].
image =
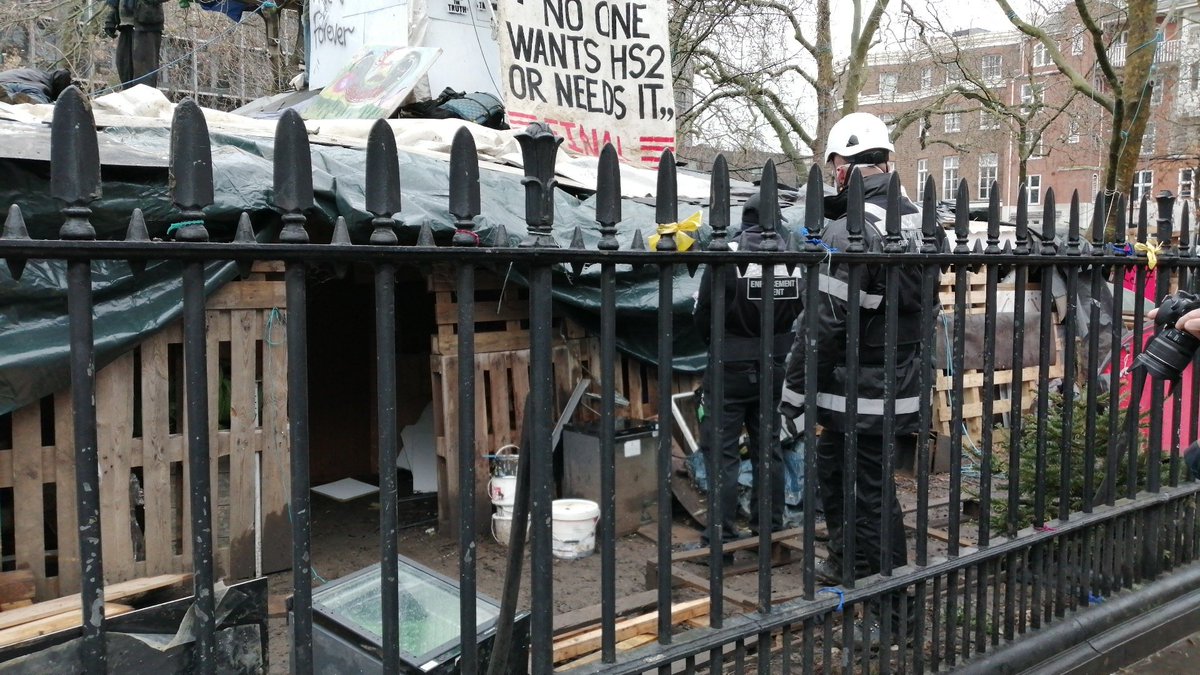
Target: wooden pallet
[
  {"x": 582, "y": 646},
  {"x": 143, "y": 387},
  {"x": 501, "y": 312},
  {"x": 973, "y": 392}
]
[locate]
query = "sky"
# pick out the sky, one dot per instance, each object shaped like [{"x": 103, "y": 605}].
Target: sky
[{"x": 955, "y": 14}]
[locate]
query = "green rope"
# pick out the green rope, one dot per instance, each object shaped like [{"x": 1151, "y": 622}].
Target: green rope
[
  {"x": 272, "y": 318},
  {"x": 184, "y": 223}
]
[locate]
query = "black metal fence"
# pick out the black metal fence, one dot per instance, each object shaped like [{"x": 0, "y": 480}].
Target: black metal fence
[{"x": 1108, "y": 504}]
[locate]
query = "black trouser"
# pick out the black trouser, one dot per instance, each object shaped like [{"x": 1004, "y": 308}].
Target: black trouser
[
  {"x": 869, "y": 508},
  {"x": 137, "y": 56},
  {"x": 741, "y": 408}
]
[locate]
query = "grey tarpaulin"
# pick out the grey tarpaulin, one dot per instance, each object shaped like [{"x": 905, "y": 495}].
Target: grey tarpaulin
[{"x": 33, "y": 345}]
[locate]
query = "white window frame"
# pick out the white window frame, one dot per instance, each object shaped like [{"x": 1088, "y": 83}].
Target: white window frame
[
  {"x": 922, "y": 176},
  {"x": 1149, "y": 138},
  {"x": 1033, "y": 188},
  {"x": 1037, "y": 149},
  {"x": 989, "y": 172},
  {"x": 952, "y": 122},
  {"x": 950, "y": 177},
  {"x": 1031, "y": 93},
  {"x": 1143, "y": 183},
  {"x": 927, "y": 79},
  {"x": 1041, "y": 55},
  {"x": 1072, "y": 131},
  {"x": 1077, "y": 38},
  {"x": 992, "y": 71},
  {"x": 988, "y": 120},
  {"x": 1187, "y": 183},
  {"x": 889, "y": 84},
  {"x": 1156, "y": 92}
]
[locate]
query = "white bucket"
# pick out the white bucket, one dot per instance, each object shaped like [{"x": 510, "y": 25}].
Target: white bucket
[
  {"x": 502, "y": 528},
  {"x": 574, "y": 529},
  {"x": 502, "y": 490}
]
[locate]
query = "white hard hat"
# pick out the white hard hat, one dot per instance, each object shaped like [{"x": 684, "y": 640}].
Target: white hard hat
[{"x": 855, "y": 133}]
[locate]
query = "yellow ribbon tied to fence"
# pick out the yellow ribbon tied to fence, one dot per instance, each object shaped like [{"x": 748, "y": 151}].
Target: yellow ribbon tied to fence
[
  {"x": 682, "y": 241},
  {"x": 1151, "y": 249}
]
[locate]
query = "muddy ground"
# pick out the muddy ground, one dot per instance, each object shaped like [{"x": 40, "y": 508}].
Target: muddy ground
[{"x": 346, "y": 539}]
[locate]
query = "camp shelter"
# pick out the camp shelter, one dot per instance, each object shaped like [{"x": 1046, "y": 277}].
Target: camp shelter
[{"x": 136, "y": 323}]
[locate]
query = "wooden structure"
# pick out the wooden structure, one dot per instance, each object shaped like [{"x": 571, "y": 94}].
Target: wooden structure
[
  {"x": 143, "y": 456},
  {"x": 502, "y": 381},
  {"x": 972, "y": 404}
]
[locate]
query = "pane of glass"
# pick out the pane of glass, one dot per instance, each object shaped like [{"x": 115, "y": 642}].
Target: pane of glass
[{"x": 429, "y": 613}]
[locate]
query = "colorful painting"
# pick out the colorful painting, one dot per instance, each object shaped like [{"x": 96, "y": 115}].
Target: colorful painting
[{"x": 373, "y": 84}]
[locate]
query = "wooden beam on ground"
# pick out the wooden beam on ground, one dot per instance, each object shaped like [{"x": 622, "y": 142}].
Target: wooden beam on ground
[
  {"x": 739, "y": 545},
  {"x": 646, "y": 623},
  {"x": 569, "y": 621},
  {"x": 71, "y": 603},
  {"x": 700, "y": 583},
  {"x": 622, "y": 646},
  {"x": 53, "y": 624}
]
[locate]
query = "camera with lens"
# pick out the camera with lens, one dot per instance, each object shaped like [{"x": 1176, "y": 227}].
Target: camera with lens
[{"x": 1172, "y": 349}]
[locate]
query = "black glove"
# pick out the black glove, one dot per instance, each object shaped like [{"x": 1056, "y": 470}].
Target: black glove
[
  {"x": 791, "y": 422},
  {"x": 111, "y": 22}
]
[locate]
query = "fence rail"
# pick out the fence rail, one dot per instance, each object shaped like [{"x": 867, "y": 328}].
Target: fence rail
[{"x": 1081, "y": 498}]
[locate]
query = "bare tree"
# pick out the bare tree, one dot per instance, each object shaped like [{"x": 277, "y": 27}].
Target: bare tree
[
  {"x": 1114, "y": 88},
  {"x": 754, "y": 66}
]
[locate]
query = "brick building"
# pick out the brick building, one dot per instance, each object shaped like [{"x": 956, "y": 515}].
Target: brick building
[{"x": 1061, "y": 135}]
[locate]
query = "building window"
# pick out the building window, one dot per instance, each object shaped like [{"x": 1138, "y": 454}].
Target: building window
[
  {"x": 927, "y": 79},
  {"x": 1186, "y": 183},
  {"x": 888, "y": 83},
  {"x": 1143, "y": 183},
  {"x": 953, "y": 74},
  {"x": 988, "y": 171},
  {"x": 1073, "y": 131},
  {"x": 1148, "y": 139},
  {"x": 991, "y": 67},
  {"x": 1031, "y": 93},
  {"x": 1033, "y": 188},
  {"x": 1156, "y": 90},
  {"x": 949, "y": 177},
  {"x": 922, "y": 176},
  {"x": 988, "y": 120},
  {"x": 1041, "y": 57},
  {"x": 953, "y": 122},
  {"x": 1032, "y": 142},
  {"x": 1077, "y": 40}
]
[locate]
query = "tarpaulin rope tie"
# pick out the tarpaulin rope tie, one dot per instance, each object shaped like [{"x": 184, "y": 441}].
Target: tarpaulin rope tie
[
  {"x": 275, "y": 316},
  {"x": 183, "y": 223},
  {"x": 838, "y": 592},
  {"x": 1095, "y": 599},
  {"x": 1044, "y": 528},
  {"x": 810, "y": 238},
  {"x": 1151, "y": 249},
  {"x": 1121, "y": 249},
  {"x": 470, "y": 233}
]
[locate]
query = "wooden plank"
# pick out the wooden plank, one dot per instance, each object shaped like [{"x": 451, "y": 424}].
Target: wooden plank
[
  {"x": 217, "y": 323},
  {"x": 583, "y": 616},
  {"x": 622, "y": 646},
  {"x": 17, "y": 586},
  {"x": 446, "y": 311},
  {"x": 267, "y": 267},
  {"x": 124, "y": 590},
  {"x": 64, "y": 483},
  {"x": 248, "y": 295},
  {"x": 701, "y": 584},
  {"x": 242, "y": 447},
  {"x": 114, "y": 428},
  {"x": 590, "y": 641},
  {"x": 29, "y": 529},
  {"x": 156, "y": 467},
  {"x": 276, "y": 469},
  {"x": 54, "y": 624}
]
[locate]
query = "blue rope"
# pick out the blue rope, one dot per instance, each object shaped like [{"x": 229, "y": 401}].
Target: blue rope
[
  {"x": 274, "y": 316},
  {"x": 183, "y": 223},
  {"x": 808, "y": 236},
  {"x": 838, "y": 592}
]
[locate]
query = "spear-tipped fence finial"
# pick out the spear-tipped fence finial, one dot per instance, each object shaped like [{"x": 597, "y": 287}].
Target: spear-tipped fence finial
[
  {"x": 383, "y": 183},
  {"x": 293, "y": 176},
  {"x": 191, "y": 174},
  {"x": 74, "y": 162},
  {"x": 608, "y": 198}
]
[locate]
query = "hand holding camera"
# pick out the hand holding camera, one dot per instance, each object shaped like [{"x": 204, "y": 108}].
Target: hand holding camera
[{"x": 1170, "y": 352}]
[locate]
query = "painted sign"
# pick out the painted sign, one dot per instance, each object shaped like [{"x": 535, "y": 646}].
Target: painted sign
[
  {"x": 338, "y": 29},
  {"x": 596, "y": 71},
  {"x": 373, "y": 84}
]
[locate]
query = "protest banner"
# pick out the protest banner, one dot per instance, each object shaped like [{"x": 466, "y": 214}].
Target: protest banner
[{"x": 595, "y": 71}]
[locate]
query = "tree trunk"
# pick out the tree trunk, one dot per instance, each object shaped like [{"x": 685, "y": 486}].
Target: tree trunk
[
  {"x": 826, "y": 83},
  {"x": 1133, "y": 106}
]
